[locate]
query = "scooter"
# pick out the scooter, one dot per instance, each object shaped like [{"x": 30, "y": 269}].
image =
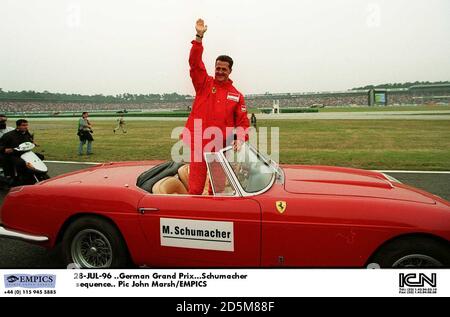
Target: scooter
[{"x": 36, "y": 167}]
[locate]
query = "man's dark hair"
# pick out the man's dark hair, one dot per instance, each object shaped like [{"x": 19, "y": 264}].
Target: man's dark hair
[
  {"x": 20, "y": 121},
  {"x": 225, "y": 58},
  {"x": 84, "y": 112}
]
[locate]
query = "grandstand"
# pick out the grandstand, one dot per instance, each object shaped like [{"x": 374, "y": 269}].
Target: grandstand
[
  {"x": 19, "y": 107},
  {"x": 423, "y": 94},
  {"x": 414, "y": 95}
]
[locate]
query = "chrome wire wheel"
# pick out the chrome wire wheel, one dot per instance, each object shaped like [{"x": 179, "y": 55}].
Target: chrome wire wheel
[
  {"x": 416, "y": 260},
  {"x": 91, "y": 249}
]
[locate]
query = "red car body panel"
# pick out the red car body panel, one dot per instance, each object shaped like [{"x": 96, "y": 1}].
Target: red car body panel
[
  {"x": 243, "y": 212},
  {"x": 334, "y": 217},
  {"x": 340, "y": 181},
  {"x": 318, "y": 230}
]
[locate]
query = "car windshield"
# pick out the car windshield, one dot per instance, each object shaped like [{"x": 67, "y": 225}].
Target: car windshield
[{"x": 252, "y": 171}]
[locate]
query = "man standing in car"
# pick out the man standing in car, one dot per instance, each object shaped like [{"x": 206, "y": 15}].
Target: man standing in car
[{"x": 218, "y": 105}]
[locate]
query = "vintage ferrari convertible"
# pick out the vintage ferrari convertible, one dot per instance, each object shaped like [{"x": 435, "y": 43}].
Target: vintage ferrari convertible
[{"x": 258, "y": 215}]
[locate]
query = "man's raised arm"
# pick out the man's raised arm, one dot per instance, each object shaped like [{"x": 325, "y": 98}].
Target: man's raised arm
[{"x": 198, "y": 70}]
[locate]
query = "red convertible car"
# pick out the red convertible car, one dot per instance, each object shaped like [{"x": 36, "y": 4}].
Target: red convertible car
[{"x": 259, "y": 215}]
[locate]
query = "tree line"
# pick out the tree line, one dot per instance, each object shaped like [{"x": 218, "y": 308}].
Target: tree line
[
  {"x": 401, "y": 85},
  {"x": 45, "y": 96}
]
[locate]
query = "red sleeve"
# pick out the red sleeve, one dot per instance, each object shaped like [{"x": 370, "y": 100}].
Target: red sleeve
[
  {"x": 241, "y": 120},
  {"x": 198, "y": 70}
]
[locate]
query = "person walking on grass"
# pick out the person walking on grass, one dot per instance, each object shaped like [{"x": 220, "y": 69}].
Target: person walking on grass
[
  {"x": 85, "y": 134},
  {"x": 120, "y": 125}
]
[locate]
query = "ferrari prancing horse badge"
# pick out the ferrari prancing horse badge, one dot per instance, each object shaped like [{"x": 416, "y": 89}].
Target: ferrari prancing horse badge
[{"x": 281, "y": 206}]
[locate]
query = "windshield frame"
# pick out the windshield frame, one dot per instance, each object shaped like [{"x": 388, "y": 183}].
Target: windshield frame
[
  {"x": 230, "y": 175},
  {"x": 275, "y": 171}
]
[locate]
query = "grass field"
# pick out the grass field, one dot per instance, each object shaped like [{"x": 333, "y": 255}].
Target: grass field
[{"x": 409, "y": 144}]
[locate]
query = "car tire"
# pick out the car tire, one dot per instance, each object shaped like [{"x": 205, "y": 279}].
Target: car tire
[
  {"x": 413, "y": 252},
  {"x": 93, "y": 242}
]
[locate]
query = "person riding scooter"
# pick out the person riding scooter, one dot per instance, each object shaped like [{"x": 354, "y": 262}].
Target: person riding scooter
[
  {"x": 12, "y": 160},
  {"x": 3, "y": 127},
  {"x": 3, "y": 130}
]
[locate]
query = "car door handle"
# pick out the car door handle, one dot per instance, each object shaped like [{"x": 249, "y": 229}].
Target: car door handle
[{"x": 143, "y": 210}]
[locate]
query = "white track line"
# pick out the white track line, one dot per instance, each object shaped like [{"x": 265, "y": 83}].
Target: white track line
[
  {"x": 382, "y": 171},
  {"x": 415, "y": 172},
  {"x": 71, "y": 162}
]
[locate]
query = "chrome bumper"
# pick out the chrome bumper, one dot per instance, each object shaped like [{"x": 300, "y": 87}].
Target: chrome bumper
[{"x": 5, "y": 233}]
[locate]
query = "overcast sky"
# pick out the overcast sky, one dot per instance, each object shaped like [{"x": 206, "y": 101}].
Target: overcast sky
[{"x": 137, "y": 46}]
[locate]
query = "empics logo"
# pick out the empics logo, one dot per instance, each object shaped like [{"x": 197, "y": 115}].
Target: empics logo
[
  {"x": 30, "y": 281},
  {"x": 12, "y": 279},
  {"x": 421, "y": 283}
]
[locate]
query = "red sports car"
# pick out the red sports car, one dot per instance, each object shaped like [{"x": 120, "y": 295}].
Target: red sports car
[{"x": 259, "y": 215}]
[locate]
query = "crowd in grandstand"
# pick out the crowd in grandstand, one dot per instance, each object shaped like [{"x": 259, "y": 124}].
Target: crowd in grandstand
[
  {"x": 309, "y": 101},
  {"x": 360, "y": 98},
  {"x": 21, "y": 107}
]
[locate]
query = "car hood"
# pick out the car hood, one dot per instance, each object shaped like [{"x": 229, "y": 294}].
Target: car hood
[
  {"x": 107, "y": 174},
  {"x": 339, "y": 181}
]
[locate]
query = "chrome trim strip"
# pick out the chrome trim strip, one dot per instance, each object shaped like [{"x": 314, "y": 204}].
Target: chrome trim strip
[
  {"x": 142, "y": 210},
  {"x": 5, "y": 233},
  {"x": 390, "y": 179}
]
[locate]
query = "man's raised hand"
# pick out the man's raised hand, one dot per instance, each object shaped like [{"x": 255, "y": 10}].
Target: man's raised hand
[{"x": 200, "y": 27}]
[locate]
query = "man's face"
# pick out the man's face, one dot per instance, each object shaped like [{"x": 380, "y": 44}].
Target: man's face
[
  {"x": 23, "y": 127},
  {"x": 223, "y": 71}
]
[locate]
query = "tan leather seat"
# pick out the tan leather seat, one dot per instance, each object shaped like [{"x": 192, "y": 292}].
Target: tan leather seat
[
  {"x": 183, "y": 175},
  {"x": 169, "y": 185}
]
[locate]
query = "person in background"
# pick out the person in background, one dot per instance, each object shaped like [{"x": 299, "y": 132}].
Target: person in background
[
  {"x": 85, "y": 134},
  {"x": 3, "y": 128},
  {"x": 120, "y": 125},
  {"x": 4, "y": 163},
  {"x": 11, "y": 140},
  {"x": 253, "y": 120}
]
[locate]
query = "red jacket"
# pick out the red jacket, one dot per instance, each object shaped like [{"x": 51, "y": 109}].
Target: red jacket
[{"x": 217, "y": 104}]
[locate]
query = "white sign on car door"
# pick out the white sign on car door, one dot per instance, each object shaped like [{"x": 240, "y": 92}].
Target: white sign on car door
[{"x": 197, "y": 234}]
